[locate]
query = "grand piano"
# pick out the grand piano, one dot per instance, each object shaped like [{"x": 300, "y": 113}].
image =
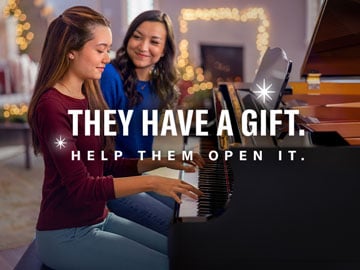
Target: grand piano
[
  {"x": 294, "y": 212},
  {"x": 331, "y": 94}
]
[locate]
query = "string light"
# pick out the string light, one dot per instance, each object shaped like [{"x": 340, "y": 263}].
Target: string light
[
  {"x": 189, "y": 73},
  {"x": 13, "y": 113},
  {"x": 23, "y": 34}
]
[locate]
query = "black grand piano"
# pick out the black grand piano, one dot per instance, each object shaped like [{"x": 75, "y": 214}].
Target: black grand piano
[{"x": 299, "y": 211}]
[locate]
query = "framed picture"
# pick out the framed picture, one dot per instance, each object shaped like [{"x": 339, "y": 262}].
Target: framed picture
[{"x": 222, "y": 63}]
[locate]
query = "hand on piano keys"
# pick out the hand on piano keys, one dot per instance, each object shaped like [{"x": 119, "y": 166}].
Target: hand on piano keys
[
  {"x": 168, "y": 185},
  {"x": 185, "y": 165},
  {"x": 174, "y": 188}
]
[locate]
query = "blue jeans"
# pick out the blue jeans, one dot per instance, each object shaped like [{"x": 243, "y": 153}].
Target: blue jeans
[
  {"x": 147, "y": 208},
  {"x": 115, "y": 243}
]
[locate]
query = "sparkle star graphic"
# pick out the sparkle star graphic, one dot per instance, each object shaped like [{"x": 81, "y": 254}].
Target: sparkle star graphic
[
  {"x": 264, "y": 91},
  {"x": 60, "y": 142}
]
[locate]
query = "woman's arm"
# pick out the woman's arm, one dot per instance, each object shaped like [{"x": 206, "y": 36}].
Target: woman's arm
[
  {"x": 162, "y": 185},
  {"x": 54, "y": 124}
]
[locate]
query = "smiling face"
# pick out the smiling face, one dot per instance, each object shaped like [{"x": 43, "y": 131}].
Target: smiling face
[
  {"x": 89, "y": 62},
  {"x": 146, "y": 46}
]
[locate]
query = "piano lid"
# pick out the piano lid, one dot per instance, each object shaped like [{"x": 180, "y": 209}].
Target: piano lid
[{"x": 335, "y": 45}]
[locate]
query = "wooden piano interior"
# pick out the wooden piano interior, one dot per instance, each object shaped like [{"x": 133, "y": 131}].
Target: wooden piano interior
[{"x": 336, "y": 106}]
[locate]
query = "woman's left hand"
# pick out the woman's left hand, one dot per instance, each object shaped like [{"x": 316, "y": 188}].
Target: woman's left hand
[{"x": 188, "y": 165}]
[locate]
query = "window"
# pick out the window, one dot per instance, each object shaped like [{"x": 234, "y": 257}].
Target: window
[{"x": 134, "y": 8}]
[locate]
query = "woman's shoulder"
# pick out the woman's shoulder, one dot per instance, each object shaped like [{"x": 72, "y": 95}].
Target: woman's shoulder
[
  {"x": 50, "y": 96},
  {"x": 110, "y": 78},
  {"x": 54, "y": 100},
  {"x": 50, "y": 104},
  {"x": 110, "y": 74},
  {"x": 110, "y": 69}
]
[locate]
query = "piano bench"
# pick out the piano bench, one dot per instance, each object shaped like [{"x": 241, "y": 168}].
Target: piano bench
[{"x": 30, "y": 260}]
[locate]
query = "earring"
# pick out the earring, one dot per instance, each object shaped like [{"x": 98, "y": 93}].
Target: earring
[
  {"x": 154, "y": 72},
  {"x": 71, "y": 56}
]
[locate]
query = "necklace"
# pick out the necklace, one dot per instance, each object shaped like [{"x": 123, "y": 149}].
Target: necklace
[
  {"x": 69, "y": 91},
  {"x": 143, "y": 84}
]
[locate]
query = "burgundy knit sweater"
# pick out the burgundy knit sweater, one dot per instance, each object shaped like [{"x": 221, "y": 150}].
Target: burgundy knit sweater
[{"x": 75, "y": 190}]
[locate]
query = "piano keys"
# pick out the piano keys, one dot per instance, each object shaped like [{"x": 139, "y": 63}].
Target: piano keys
[{"x": 215, "y": 180}]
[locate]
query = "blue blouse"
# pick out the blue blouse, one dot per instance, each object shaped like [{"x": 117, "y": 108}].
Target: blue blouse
[{"x": 113, "y": 92}]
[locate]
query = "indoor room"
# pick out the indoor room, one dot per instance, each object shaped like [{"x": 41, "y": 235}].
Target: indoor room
[{"x": 250, "y": 79}]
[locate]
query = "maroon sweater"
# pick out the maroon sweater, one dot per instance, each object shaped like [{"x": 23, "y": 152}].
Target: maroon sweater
[{"x": 74, "y": 191}]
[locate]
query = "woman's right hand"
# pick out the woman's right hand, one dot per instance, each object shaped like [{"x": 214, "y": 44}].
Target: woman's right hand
[
  {"x": 170, "y": 187},
  {"x": 174, "y": 187}
]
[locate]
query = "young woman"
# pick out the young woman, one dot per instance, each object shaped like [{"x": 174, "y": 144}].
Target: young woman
[
  {"x": 74, "y": 228},
  {"x": 142, "y": 77}
]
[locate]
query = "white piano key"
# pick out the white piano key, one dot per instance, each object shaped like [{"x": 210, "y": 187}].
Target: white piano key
[{"x": 188, "y": 207}]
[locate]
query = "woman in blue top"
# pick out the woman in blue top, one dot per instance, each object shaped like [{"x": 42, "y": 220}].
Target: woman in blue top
[{"x": 142, "y": 77}]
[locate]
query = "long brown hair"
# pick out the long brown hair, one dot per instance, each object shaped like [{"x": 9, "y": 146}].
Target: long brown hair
[
  {"x": 70, "y": 31},
  {"x": 164, "y": 73}
]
